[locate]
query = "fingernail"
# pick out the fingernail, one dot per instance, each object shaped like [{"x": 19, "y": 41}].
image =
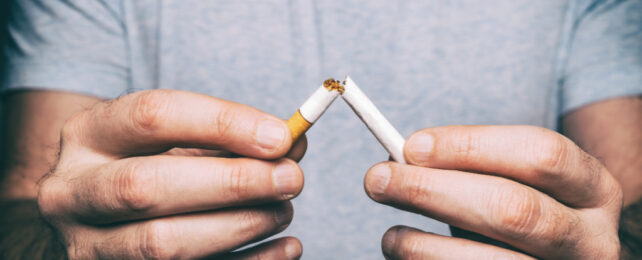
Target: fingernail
[
  {"x": 388, "y": 241},
  {"x": 286, "y": 179},
  {"x": 292, "y": 250},
  {"x": 378, "y": 179},
  {"x": 419, "y": 147},
  {"x": 270, "y": 134}
]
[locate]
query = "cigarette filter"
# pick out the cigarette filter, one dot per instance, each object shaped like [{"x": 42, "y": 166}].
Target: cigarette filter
[
  {"x": 314, "y": 107},
  {"x": 385, "y": 133}
]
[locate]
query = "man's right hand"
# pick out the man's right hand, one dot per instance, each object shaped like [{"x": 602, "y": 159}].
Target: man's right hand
[{"x": 116, "y": 191}]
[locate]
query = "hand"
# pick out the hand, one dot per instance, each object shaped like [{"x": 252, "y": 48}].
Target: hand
[
  {"x": 529, "y": 188},
  {"x": 121, "y": 189}
]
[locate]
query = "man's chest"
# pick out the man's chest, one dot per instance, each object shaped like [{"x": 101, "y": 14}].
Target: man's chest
[{"x": 463, "y": 56}]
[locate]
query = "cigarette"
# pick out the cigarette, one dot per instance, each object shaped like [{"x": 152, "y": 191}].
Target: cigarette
[
  {"x": 385, "y": 133},
  {"x": 314, "y": 107}
]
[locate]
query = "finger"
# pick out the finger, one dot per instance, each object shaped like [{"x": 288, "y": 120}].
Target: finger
[
  {"x": 282, "y": 248},
  {"x": 408, "y": 243},
  {"x": 192, "y": 236},
  {"x": 144, "y": 187},
  {"x": 493, "y": 206},
  {"x": 157, "y": 120},
  {"x": 535, "y": 156},
  {"x": 298, "y": 149}
]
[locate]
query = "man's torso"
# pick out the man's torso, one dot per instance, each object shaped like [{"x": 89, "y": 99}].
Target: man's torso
[{"x": 423, "y": 63}]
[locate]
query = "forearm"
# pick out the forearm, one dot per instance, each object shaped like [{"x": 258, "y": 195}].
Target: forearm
[
  {"x": 24, "y": 235},
  {"x": 30, "y": 138},
  {"x": 610, "y": 131}
]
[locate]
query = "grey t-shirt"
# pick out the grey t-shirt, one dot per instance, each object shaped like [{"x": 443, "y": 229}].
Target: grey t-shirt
[{"x": 424, "y": 63}]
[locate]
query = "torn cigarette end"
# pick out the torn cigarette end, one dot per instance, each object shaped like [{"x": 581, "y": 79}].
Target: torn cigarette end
[
  {"x": 332, "y": 84},
  {"x": 314, "y": 107}
]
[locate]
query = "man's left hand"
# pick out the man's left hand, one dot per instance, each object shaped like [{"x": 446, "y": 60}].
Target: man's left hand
[{"x": 530, "y": 190}]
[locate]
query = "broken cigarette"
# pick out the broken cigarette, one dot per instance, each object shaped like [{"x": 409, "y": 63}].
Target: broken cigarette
[
  {"x": 313, "y": 108},
  {"x": 385, "y": 133}
]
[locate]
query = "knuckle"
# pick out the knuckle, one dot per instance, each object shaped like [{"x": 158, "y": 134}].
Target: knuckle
[
  {"x": 236, "y": 182},
  {"x": 416, "y": 187},
  {"x": 552, "y": 153},
  {"x": 410, "y": 246},
  {"x": 148, "y": 109},
  {"x": 467, "y": 145},
  {"x": 617, "y": 194},
  {"x": 611, "y": 189},
  {"x": 250, "y": 223},
  {"x": 560, "y": 229},
  {"x": 593, "y": 171},
  {"x": 516, "y": 211},
  {"x": 135, "y": 187},
  {"x": 157, "y": 240},
  {"x": 48, "y": 198},
  {"x": 72, "y": 127},
  {"x": 223, "y": 124}
]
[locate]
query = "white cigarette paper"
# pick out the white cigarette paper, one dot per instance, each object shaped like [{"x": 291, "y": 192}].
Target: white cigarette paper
[
  {"x": 313, "y": 108},
  {"x": 317, "y": 104},
  {"x": 385, "y": 133}
]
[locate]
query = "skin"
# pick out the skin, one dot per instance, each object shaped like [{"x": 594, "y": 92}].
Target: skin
[
  {"x": 517, "y": 192},
  {"x": 119, "y": 186},
  {"x": 524, "y": 189}
]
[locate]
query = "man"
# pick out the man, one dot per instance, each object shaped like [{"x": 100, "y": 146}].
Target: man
[{"x": 172, "y": 173}]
